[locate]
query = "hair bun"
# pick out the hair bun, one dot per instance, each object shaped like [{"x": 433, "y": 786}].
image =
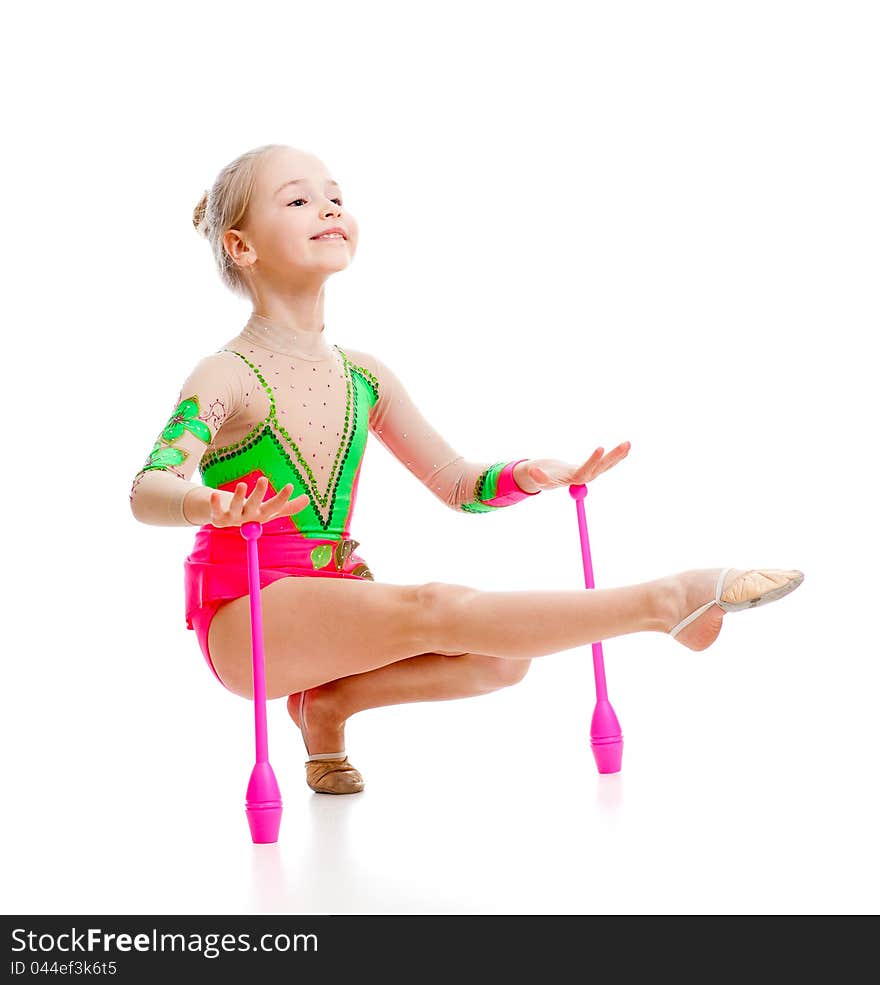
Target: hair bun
[{"x": 200, "y": 217}]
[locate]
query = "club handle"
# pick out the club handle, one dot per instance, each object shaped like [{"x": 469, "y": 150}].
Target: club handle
[{"x": 251, "y": 532}]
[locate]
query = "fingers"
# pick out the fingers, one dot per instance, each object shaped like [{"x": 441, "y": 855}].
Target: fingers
[
  {"x": 271, "y": 507},
  {"x": 238, "y": 504},
  {"x": 235, "y": 504},
  {"x": 282, "y": 494},
  {"x": 256, "y": 496},
  {"x": 594, "y": 459},
  {"x": 282, "y": 498},
  {"x": 254, "y": 505},
  {"x": 588, "y": 469},
  {"x": 596, "y": 464},
  {"x": 291, "y": 505},
  {"x": 295, "y": 505},
  {"x": 278, "y": 505},
  {"x": 613, "y": 457}
]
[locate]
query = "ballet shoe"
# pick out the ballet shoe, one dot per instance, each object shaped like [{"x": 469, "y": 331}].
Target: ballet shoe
[
  {"x": 746, "y": 590},
  {"x": 333, "y": 776},
  {"x": 328, "y": 772}
]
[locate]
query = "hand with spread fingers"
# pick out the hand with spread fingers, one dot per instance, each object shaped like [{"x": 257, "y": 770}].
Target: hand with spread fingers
[
  {"x": 537, "y": 474},
  {"x": 236, "y": 509}
]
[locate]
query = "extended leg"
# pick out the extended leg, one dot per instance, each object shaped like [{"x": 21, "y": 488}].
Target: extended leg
[
  {"x": 318, "y": 630},
  {"x": 513, "y": 622},
  {"x": 521, "y": 625}
]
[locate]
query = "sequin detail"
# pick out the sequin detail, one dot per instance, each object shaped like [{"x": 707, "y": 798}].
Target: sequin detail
[
  {"x": 283, "y": 460},
  {"x": 184, "y": 418},
  {"x": 371, "y": 381},
  {"x": 485, "y": 488},
  {"x": 338, "y": 554}
]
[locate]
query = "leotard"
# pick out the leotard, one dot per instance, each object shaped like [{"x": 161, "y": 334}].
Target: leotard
[{"x": 294, "y": 409}]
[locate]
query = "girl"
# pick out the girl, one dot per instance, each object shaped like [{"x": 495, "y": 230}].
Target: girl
[{"x": 277, "y": 421}]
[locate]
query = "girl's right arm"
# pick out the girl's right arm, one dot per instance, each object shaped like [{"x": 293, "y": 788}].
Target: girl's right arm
[{"x": 161, "y": 492}]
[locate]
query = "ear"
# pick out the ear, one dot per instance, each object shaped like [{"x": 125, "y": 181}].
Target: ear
[{"x": 240, "y": 251}]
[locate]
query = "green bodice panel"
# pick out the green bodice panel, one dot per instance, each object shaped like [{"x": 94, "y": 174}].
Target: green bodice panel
[{"x": 269, "y": 449}]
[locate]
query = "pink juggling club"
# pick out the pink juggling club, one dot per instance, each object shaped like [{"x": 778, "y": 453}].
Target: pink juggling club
[
  {"x": 605, "y": 735},
  {"x": 263, "y": 803}
]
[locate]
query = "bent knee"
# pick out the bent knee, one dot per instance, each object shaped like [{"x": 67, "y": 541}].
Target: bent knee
[
  {"x": 434, "y": 592},
  {"x": 501, "y": 672},
  {"x": 436, "y": 602}
]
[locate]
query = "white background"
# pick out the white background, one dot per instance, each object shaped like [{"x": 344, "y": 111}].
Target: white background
[{"x": 581, "y": 223}]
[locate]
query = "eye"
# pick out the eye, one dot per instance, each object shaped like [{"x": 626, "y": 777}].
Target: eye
[{"x": 337, "y": 200}]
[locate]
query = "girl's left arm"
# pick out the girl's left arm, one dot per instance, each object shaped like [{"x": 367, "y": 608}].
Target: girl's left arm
[{"x": 462, "y": 485}]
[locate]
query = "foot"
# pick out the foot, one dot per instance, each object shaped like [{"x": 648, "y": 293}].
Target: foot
[
  {"x": 326, "y": 726},
  {"x": 324, "y": 733},
  {"x": 688, "y": 590}
]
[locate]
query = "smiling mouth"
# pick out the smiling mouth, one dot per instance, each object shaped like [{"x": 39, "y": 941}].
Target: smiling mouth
[{"x": 330, "y": 236}]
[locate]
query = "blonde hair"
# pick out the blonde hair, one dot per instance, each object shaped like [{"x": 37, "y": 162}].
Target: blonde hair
[{"x": 224, "y": 206}]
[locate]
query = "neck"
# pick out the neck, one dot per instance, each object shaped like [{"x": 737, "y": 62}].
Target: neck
[{"x": 272, "y": 334}]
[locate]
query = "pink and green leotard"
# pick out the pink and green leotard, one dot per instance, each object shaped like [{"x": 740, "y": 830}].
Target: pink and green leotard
[{"x": 297, "y": 410}]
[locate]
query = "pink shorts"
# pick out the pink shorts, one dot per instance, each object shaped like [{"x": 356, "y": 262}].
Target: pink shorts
[{"x": 215, "y": 572}]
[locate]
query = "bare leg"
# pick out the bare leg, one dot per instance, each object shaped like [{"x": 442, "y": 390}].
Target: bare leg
[
  {"x": 427, "y": 677},
  {"x": 447, "y": 674},
  {"x": 320, "y": 630},
  {"x": 521, "y": 625}
]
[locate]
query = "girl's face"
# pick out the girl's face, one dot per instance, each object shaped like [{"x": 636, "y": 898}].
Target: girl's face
[{"x": 294, "y": 200}]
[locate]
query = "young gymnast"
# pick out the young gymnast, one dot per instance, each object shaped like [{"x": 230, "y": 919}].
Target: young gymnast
[{"x": 277, "y": 422}]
